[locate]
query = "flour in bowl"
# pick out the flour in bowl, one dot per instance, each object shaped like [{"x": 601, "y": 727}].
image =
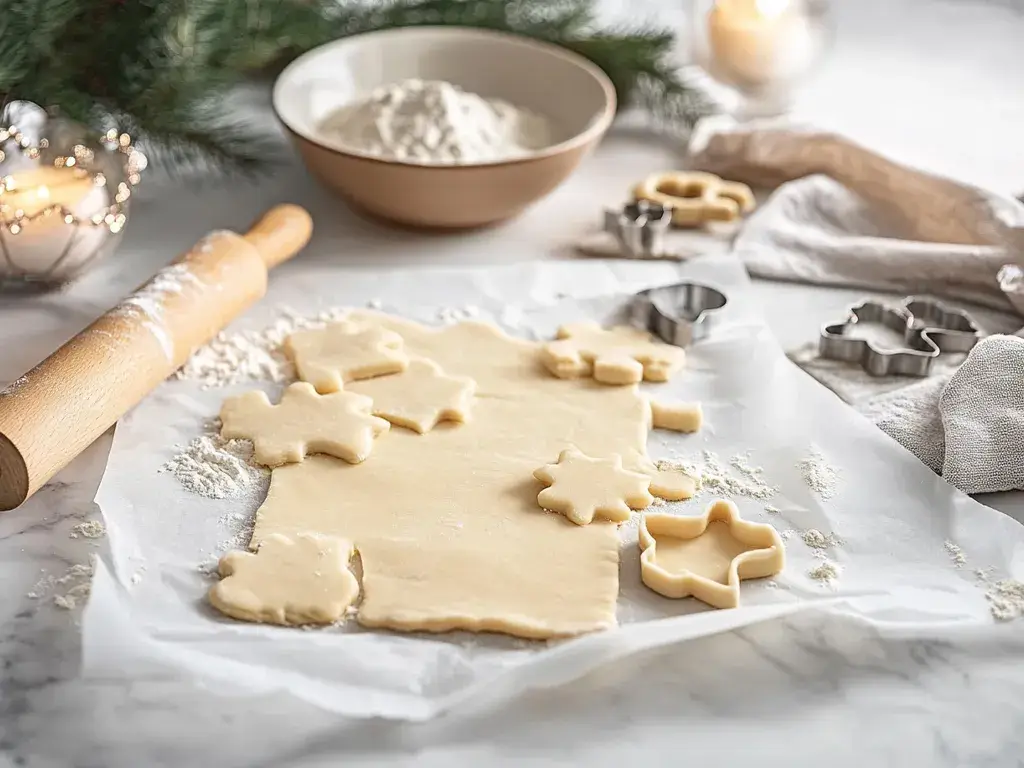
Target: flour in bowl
[{"x": 435, "y": 122}]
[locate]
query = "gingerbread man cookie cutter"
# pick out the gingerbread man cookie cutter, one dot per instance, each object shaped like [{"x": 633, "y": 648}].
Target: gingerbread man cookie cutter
[
  {"x": 679, "y": 314},
  {"x": 696, "y": 198},
  {"x": 928, "y": 327}
]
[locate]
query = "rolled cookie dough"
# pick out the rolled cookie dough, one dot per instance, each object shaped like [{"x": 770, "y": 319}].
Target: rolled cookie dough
[{"x": 447, "y": 523}]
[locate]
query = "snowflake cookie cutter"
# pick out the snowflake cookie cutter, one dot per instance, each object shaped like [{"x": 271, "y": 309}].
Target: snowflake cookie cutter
[
  {"x": 928, "y": 327},
  {"x": 679, "y": 314},
  {"x": 640, "y": 228},
  {"x": 765, "y": 557}
]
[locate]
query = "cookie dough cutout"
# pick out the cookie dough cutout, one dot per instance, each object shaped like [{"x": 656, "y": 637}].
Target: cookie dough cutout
[
  {"x": 302, "y": 579},
  {"x": 620, "y": 355},
  {"x": 695, "y": 197},
  {"x": 706, "y": 557},
  {"x": 330, "y": 357},
  {"x": 676, "y": 415},
  {"x": 582, "y": 488},
  {"x": 338, "y": 424},
  {"x": 419, "y": 397}
]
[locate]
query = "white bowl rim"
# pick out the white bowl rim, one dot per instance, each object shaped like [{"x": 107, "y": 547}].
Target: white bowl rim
[{"x": 573, "y": 142}]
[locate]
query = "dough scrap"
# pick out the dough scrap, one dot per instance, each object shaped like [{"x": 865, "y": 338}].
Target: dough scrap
[
  {"x": 419, "y": 397},
  {"x": 581, "y": 488},
  {"x": 620, "y": 355},
  {"x": 303, "y": 422},
  {"x": 330, "y": 357},
  {"x": 447, "y": 524},
  {"x": 676, "y": 415},
  {"x": 303, "y": 579},
  {"x": 706, "y": 557}
]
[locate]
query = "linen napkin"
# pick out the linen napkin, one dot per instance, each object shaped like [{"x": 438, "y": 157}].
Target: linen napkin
[{"x": 844, "y": 215}]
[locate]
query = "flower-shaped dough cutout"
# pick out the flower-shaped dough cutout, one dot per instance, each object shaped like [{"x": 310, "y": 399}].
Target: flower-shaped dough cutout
[
  {"x": 582, "y": 488},
  {"x": 296, "y": 580},
  {"x": 330, "y": 357},
  {"x": 419, "y": 397},
  {"x": 620, "y": 355},
  {"x": 676, "y": 415},
  {"x": 707, "y": 556},
  {"x": 339, "y": 424}
]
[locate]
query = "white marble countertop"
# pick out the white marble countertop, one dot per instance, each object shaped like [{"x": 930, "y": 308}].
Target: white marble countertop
[{"x": 939, "y": 84}]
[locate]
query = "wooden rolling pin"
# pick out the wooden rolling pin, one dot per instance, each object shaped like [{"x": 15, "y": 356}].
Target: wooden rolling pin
[{"x": 52, "y": 413}]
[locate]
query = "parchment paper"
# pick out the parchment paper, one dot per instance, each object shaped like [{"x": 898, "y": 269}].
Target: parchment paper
[{"x": 892, "y": 513}]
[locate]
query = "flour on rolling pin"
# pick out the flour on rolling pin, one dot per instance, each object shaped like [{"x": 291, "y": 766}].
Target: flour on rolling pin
[{"x": 149, "y": 300}]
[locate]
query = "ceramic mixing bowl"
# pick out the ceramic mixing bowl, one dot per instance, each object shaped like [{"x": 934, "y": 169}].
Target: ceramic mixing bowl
[{"x": 574, "y": 95}]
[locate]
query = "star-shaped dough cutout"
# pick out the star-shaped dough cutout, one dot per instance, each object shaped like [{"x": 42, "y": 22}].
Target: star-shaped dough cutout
[
  {"x": 339, "y": 424},
  {"x": 621, "y": 355},
  {"x": 582, "y": 488},
  {"x": 419, "y": 397},
  {"x": 303, "y": 579},
  {"x": 330, "y": 357},
  {"x": 706, "y": 557}
]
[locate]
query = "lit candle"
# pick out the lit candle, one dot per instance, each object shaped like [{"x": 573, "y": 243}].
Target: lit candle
[
  {"x": 760, "y": 43},
  {"x": 35, "y": 246}
]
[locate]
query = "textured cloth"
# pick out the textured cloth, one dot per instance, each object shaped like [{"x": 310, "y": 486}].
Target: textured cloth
[{"x": 843, "y": 215}]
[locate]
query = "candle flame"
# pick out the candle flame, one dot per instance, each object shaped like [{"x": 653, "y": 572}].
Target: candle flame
[
  {"x": 771, "y": 8},
  {"x": 43, "y": 193}
]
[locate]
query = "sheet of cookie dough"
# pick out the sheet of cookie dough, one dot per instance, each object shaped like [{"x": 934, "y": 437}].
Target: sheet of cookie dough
[{"x": 447, "y": 523}]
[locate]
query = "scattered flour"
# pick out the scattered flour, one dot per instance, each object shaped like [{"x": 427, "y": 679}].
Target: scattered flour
[
  {"x": 448, "y": 315},
  {"x": 231, "y": 358},
  {"x": 815, "y": 539},
  {"x": 820, "y": 476},
  {"x": 771, "y": 509},
  {"x": 75, "y": 584},
  {"x": 90, "y": 529},
  {"x": 216, "y": 468},
  {"x": 826, "y": 572},
  {"x": 739, "y": 478},
  {"x": 1005, "y": 597},
  {"x": 147, "y": 303},
  {"x": 955, "y": 554},
  {"x": 436, "y": 123}
]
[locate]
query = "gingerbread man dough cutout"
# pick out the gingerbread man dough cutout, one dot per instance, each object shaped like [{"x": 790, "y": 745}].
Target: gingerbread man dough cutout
[
  {"x": 296, "y": 580},
  {"x": 419, "y": 397},
  {"x": 696, "y": 198},
  {"x": 339, "y": 424},
  {"x": 330, "y": 357},
  {"x": 621, "y": 355},
  {"x": 582, "y": 488}
]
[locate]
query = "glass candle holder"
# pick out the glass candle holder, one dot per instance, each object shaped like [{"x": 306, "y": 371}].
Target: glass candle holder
[
  {"x": 760, "y": 50},
  {"x": 64, "y": 196}
]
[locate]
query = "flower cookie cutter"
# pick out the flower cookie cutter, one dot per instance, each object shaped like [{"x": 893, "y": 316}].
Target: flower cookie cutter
[
  {"x": 640, "y": 228},
  {"x": 679, "y": 314},
  {"x": 928, "y": 327},
  {"x": 695, "y": 197}
]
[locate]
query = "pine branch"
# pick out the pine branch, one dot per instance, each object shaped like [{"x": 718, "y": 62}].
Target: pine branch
[{"x": 164, "y": 68}]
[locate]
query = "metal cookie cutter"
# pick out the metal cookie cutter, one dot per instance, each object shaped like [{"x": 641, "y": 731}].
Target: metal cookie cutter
[
  {"x": 928, "y": 328},
  {"x": 640, "y": 228},
  {"x": 679, "y": 314}
]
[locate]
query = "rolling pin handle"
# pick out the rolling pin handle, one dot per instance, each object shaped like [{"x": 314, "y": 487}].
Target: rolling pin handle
[{"x": 280, "y": 233}]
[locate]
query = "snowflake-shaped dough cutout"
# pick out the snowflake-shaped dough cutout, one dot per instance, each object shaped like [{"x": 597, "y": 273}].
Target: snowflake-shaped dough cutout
[
  {"x": 706, "y": 557},
  {"x": 620, "y": 355},
  {"x": 330, "y": 357},
  {"x": 296, "y": 580},
  {"x": 419, "y": 397},
  {"x": 582, "y": 488},
  {"x": 339, "y": 424}
]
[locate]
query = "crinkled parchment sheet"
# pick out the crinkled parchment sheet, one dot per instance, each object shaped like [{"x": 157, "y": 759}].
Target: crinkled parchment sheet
[{"x": 893, "y": 514}]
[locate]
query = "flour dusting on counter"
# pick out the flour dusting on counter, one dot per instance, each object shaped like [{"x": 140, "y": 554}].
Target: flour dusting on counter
[{"x": 216, "y": 468}]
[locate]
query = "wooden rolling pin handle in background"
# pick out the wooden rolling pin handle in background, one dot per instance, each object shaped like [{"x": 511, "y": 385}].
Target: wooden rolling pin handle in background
[{"x": 57, "y": 409}]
